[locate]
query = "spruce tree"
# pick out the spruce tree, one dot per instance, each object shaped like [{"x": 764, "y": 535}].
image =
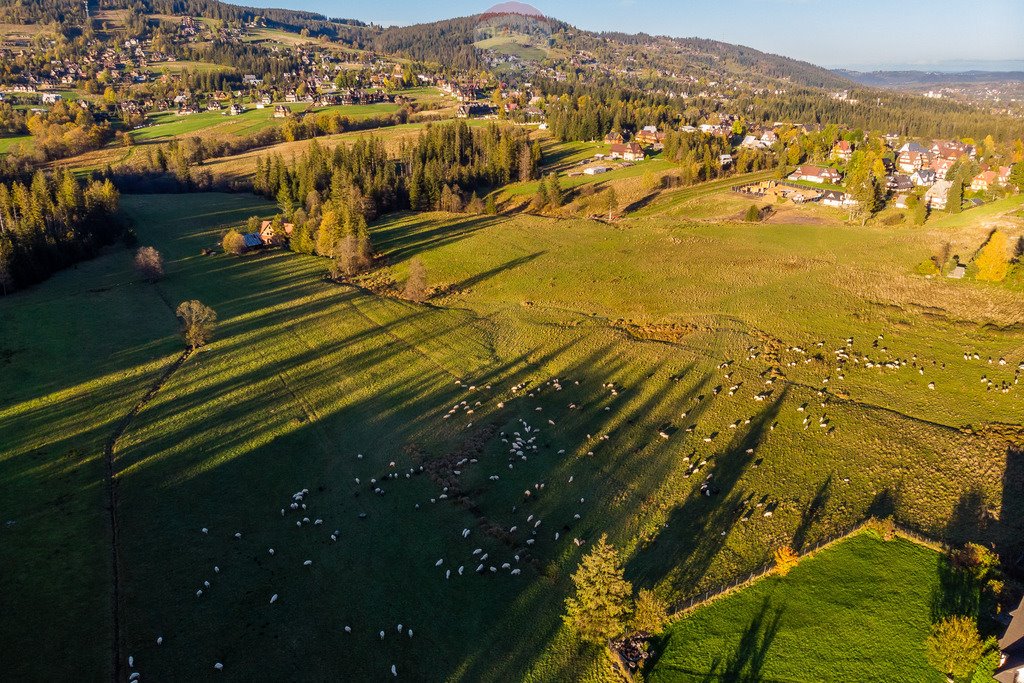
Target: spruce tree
[{"x": 600, "y": 606}]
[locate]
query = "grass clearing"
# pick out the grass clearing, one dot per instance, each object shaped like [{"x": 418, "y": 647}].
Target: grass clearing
[
  {"x": 858, "y": 610},
  {"x": 304, "y": 376}
]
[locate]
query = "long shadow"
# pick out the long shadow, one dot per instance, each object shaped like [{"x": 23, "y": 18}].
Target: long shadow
[
  {"x": 746, "y": 663},
  {"x": 1010, "y": 542},
  {"x": 401, "y": 241},
  {"x": 698, "y": 528},
  {"x": 474, "y": 280},
  {"x": 813, "y": 513}
]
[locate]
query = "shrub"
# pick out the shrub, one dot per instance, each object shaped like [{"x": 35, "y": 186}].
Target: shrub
[
  {"x": 927, "y": 267},
  {"x": 649, "y": 613},
  {"x": 885, "y": 528},
  {"x": 753, "y": 214},
  {"x": 785, "y": 559},
  {"x": 233, "y": 242}
]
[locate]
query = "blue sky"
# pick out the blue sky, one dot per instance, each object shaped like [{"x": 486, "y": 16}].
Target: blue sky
[{"x": 833, "y": 33}]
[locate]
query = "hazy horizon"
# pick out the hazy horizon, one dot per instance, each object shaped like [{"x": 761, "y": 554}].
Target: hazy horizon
[{"x": 808, "y": 30}]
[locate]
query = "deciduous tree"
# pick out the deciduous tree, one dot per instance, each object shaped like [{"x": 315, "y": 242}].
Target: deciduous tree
[
  {"x": 149, "y": 264},
  {"x": 954, "y": 646},
  {"x": 197, "y": 323}
]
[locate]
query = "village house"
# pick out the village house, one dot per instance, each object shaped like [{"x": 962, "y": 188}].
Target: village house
[
  {"x": 923, "y": 177},
  {"x": 952, "y": 150},
  {"x": 235, "y": 110},
  {"x": 816, "y": 174},
  {"x": 911, "y": 160},
  {"x": 629, "y": 151},
  {"x": 938, "y": 194},
  {"x": 839, "y": 200},
  {"x": 595, "y": 170},
  {"x": 843, "y": 151},
  {"x": 984, "y": 181},
  {"x": 752, "y": 142},
  {"x": 941, "y": 167},
  {"x": 900, "y": 182},
  {"x": 268, "y": 237},
  {"x": 614, "y": 138},
  {"x": 650, "y": 135}
]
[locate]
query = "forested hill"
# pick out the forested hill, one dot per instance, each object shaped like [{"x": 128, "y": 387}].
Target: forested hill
[
  {"x": 899, "y": 79},
  {"x": 450, "y": 42}
]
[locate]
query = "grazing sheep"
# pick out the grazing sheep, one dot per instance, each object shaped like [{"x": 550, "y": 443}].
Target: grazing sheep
[
  {"x": 218, "y": 666},
  {"x": 273, "y": 598}
]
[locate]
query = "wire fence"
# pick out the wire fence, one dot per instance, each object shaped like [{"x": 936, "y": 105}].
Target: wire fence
[{"x": 682, "y": 608}]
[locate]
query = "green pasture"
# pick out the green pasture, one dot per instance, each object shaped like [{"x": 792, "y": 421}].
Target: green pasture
[{"x": 688, "y": 319}]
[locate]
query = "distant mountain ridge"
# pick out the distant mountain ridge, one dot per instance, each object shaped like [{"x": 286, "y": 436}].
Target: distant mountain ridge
[{"x": 899, "y": 79}]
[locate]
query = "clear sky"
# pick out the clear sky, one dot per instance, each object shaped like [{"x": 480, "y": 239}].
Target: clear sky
[{"x": 832, "y": 33}]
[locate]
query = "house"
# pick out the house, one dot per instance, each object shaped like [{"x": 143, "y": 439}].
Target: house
[
  {"x": 466, "y": 111},
  {"x": 235, "y": 110},
  {"x": 1011, "y": 664},
  {"x": 923, "y": 177},
  {"x": 769, "y": 138},
  {"x": 725, "y": 160},
  {"x": 984, "y": 181},
  {"x": 651, "y": 136},
  {"x": 282, "y": 112},
  {"x": 816, "y": 174},
  {"x": 250, "y": 79},
  {"x": 1003, "y": 177},
  {"x": 910, "y": 161},
  {"x": 252, "y": 240},
  {"x": 958, "y": 272},
  {"x": 752, "y": 142},
  {"x": 629, "y": 151},
  {"x": 938, "y": 194},
  {"x": 269, "y": 237},
  {"x": 614, "y": 138},
  {"x": 900, "y": 182},
  {"x": 839, "y": 200},
  {"x": 952, "y": 150},
  {"x": 51, "y": 97},
  {"x": 595, "y": 170},
  {"x": 843, "y": 151},
  {"x": 942, "y": 167}
]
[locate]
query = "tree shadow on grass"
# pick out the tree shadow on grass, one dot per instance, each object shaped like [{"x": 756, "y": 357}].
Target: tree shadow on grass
[
  {"x": 697, "y": 529},
  {"x": 747, "y": 661},
  {"x": 813, "y": 513}
]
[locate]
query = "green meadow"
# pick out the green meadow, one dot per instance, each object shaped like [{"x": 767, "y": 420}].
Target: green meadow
[
  {"x": 644, "y": 358},
  {"x": 860, "y": 610}
]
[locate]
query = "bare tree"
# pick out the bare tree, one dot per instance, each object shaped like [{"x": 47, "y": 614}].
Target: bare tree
[
  {"x": 197, "y": 323},
  {"x": 416, "y": 285},
  {"x": 149, "y": 264}
]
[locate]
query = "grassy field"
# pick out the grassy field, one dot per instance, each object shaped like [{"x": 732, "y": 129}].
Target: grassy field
[
  {"x": 688, "y": 318},
  {"x": 860, "y": 610}
]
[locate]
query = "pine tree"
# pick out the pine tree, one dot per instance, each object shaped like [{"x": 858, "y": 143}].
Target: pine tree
[
  {"x": 955, "y": 198},
  {"x": 553, "y": 191},
  {"x": 600, "y": 605}
]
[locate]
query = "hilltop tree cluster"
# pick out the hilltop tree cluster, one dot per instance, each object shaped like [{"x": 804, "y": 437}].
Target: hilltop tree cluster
[
  {"x": 51, "y": 222},
  {"x": 329, "y": 195}
]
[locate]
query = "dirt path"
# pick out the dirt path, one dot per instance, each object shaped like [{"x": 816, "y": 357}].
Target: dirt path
[{"x": 111, "y": 485}]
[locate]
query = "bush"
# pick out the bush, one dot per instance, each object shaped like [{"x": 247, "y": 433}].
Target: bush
[
  {"x": 753, "y": 214},
  {"x": 993, "y": 261},
  {"x": 649, "y": 613},
  {"x": 885, "y": 528},
  {"x": 785, "y": 559},
  {"x": 927, "y": 267},
  {"x": 233, "y": 242}
]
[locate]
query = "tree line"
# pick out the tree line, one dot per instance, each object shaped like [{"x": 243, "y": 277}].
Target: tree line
[{"x": 50, "y": 222}]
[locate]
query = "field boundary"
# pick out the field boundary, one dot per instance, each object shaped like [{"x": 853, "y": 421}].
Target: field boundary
[
  {"x": 681, "y": 609},
  {"x": 111, "y": 485}
]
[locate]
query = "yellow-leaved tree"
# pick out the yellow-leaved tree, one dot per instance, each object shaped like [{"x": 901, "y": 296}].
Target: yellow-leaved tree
[{"x": 993, "y": 261}]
